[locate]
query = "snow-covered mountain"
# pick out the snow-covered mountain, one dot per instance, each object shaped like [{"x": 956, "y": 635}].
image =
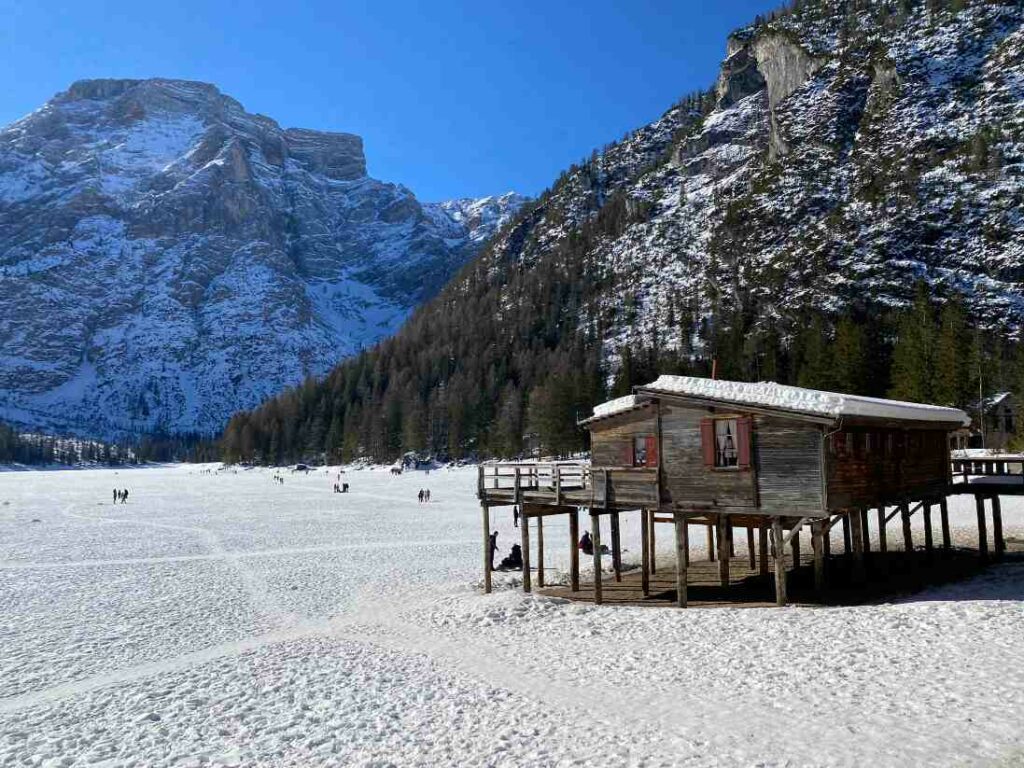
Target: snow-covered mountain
[{"x": 167, "y": 257}]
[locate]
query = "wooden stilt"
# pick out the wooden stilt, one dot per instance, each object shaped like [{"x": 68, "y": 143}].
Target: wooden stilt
[
  {"x": 865, "y": 530},
  {"x": 682, "y": 546},
  {"x": 857, "y": 545},
  {"x": 926, "y": 511},
  {"x": 947, "y": 542},
  {"x": 979, "y": 502},
  {"x": 524, "y": 542},
  {"x": 687, "y": 553},
  {"x": 616, "y": 547},
  {"x": 794, "y": 543},
  {"x": 751, "y": 553},
  {"x": 881, "y": 530},
  {"x": 998, "y": 544},
  {"x": 908, "y": 536},
  {"x": 711, "y": 542},
  {"x": 723, "y": 550},
  {"x": 818, "y": 547},
  {"x": 645, "y": 552},
  {"x": 574, "y": 550},
  {"x": 778, "y": 554},
  {"x": 595, "y": 537},
  {"x": 827, "y": 543},
  {"x": 487, "y": 547},
  {"x": 730, "y": 537},
  {"x": 651, "y": 558},
  {"x": 762, "y": 548},
  {"x": 847, "y": 546},
  {"x": 540, "y": 551}
]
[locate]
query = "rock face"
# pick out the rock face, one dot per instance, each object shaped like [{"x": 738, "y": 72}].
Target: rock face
[{"x": 167, "y": 257}]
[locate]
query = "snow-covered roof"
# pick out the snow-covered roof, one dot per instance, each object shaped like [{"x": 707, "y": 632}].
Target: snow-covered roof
[
  {"x": 618, "y": 405},
  {"x": 768, "y": 394}
]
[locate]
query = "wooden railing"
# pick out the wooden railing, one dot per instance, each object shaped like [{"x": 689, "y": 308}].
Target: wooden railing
[
  {"x": 556, "y": 478},
  {"x": 995, "y": 466}
]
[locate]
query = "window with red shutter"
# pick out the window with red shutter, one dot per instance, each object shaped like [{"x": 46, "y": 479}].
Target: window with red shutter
[
  {"x": 652, "y": 452},
  {"x": 627, "y": 454},
  {"x": 743, "y": 442},
  {"x": 707, "y": 441}
]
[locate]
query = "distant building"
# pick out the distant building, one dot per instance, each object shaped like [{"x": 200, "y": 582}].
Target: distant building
[{"x": 994, "y": 422}]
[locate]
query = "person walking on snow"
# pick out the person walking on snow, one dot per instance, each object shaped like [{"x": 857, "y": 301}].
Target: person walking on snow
[
  {"x": 115, "y": 495},
  {"x": 125, "y": 496},
  {"x": 515, "y": 515},
  {"x": 494, "y": 548}
]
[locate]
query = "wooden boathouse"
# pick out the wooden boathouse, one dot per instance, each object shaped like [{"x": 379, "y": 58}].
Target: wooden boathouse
[{"x": 774, "y": 459}]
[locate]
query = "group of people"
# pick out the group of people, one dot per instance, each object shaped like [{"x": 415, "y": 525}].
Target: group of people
[
  {"x": 341, "y": 487},
  {"x": 121, "y": 495},
  {"x": 511, "y": 562},
  {"x": 278, "y": 479},
  {"x": 424, "y": 496}
]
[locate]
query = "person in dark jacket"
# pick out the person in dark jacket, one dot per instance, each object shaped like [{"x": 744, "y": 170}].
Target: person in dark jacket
[
  {"x": 514, "y": 561},
  {"x": 494, "y": 548},
  {"x": 515, "y": 515},
  {"x": 586, "y": 543}
]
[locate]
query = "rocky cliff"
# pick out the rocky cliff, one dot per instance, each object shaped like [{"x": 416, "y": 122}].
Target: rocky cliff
[{"x": 166, "y": 256}]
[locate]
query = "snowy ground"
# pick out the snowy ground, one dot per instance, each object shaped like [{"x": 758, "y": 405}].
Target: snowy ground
[{"x": 226, "y": 619}]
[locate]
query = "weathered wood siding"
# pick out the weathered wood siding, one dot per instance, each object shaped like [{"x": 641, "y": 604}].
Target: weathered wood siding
[
  {"x": 868, "y": 466},
  {"x": 787, "y": 458},
  {"x": 608, "y": 439}
]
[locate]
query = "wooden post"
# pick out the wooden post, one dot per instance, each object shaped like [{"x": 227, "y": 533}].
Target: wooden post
[
  {"x": 998, "y": 545},
  {"x": 729, "y": 535},
  {"x": 487, "y": 544},
  {"x": 778, "y": 553},
  {"x": 762, "y": 548},
  {"x": 818, "y": 547},
  {"x": 711, "y": 542},
  {"x": 540, "y": 551},
  {"x": 645, "y": 553},
  {"x": 595, "y": 537},
  {"x": 652, "y": 558},
  {"x": 865, "y": 530},
  {"x": 616, "y": 549},
  {"x": 857, "y": 544},
  {"x": 847, "y": 546},
  {"x": 682, "y": 547},
  {"x": 794, "y": 543},
  {"x": 750, "y": 547},
  {"x": 574, "y": 550},
  {"x": 979, "y": 502},
  {"x": 524, "y": 534},
  {"x": 908, "y": 536},
  {"x": 883, "y": 558},
  {"x": 944, "y": 517},
  {"x": 723, "y": 550},
  {"x": 926, "y": 511}
]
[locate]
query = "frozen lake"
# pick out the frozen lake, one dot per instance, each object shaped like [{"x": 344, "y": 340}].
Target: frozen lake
[{"x": 229, "y": 619}]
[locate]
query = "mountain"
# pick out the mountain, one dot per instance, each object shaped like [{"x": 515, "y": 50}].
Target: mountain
[
  {"x": 842, "y": 208},
  {"x": 167, "y": 257}
]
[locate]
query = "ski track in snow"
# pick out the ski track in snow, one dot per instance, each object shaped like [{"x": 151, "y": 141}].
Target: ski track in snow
[{"x": 367, "y": 645}]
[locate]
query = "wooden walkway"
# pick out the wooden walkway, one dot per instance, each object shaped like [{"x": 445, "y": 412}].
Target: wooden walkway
[{"x": 889, "y": 575}]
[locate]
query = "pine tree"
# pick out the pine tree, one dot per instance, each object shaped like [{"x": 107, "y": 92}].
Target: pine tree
[
  {"x": 913, "y": 354},
  {"x": 949, "y": 386},
  {"x": 850, "y": 354}
]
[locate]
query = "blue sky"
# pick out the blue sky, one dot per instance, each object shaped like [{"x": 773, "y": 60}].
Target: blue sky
[{"x": 452, "y": 99}]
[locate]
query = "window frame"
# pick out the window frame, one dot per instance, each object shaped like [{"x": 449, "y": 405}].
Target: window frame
[{"x": 735, "y": 467}]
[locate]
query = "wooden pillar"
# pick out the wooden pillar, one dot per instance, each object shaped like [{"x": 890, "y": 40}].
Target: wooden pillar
[
  {"x": 794, "y": 543},
  {"x": 540, "y": 551},
  {"x": 865, "y": 530},
  {"x": 818, "y": 547},
  {"x": 711, "y": 542},
  {"x": 908, "y": 536},
  {"x": 979, "y": 502},
  {"x": 645, "y": 552},
  {"x": 926, "y": 511},
  {"x": 762, "y": 548},
  {"x": 944, "y": 517},
  {"x": 881, "y": 529},
  {"x": 524, "y": 534},
  {"x": 574, "y": 550},
  {"x": 723, "y": 550},
  {"x": 682, "y": 547},
  {"x": 595, "y": 537},
  {"x": 651, "y": 526},
  {"x": 780, "y": 561},
  {"x": 826, "y": 541},
  {"x": 616, "y": 547},
  {"x": 487, "y": 546},
  {"x": 857, "y": 546},
  {"x": 998, "y": 544},
  {"x": 847, "y": 546},
  {"x": 729, "y": 535},
  {"x": 751, "y": 554}
]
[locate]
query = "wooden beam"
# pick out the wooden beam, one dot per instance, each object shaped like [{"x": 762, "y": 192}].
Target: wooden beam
[
  {"x": 926, "y": 512},
  {"x": 595, "y": 537},
  {"x": 711, "y": 543},
  {"x": 865, "y": 529},
  {"x": 999, "y": 544},
  {"x": 723, "y": 550},
  {"x": 645, "y": 552},
  {"x": 762, "y": 548},
  {"x": 818, "y": 547},
  {"x": 616, "y": 548},
  {"x": 487, "y": 543},
  {"x": 857, "y": 544},
  {"x": 778, "y": 553},
  {"x": 881, "y": 530},
  {"x": 729, "y": 535},
  {"x": 794, "y": 543},
  {"x": 908, "y": 536},
  {"x": 574, "y": 550},
  {"x": 524, "y": 535},
  {"x": 944, "y": 518},
  {"x": 751, "y": 553},
  {"x": 979, "y": 502},
  {"x": 847, "y": 546},
  {"x": 540, "y": 550},
  {"x": 651, "y": 557},
  {"x": 682, "y": 546},
  {"x": 795, "y": 530}
]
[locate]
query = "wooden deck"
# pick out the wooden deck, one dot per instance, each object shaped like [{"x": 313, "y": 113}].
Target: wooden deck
[{"x": 889, "y": 575}]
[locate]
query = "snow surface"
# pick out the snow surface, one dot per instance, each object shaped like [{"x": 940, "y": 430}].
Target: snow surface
[
  {"x": 227, "y": 619},
  {"x": 618, "y": 405},
  {"x": 814, "y": 401}
]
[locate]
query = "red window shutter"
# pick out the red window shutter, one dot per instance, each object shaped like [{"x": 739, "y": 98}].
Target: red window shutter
[
  {"x": 652, "y": 452},
  {"x": 627, "y": 454},
  {"x": 707, "y": 441},
  {"x": 743, "y": 442}
]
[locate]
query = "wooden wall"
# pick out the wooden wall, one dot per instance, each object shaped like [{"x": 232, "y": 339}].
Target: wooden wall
[
  {"x": 608, "y": 439},
  {"x": 787, "y": 457}
]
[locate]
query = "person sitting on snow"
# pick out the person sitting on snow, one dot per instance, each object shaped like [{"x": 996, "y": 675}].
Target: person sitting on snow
[
  {"x": 514, "y": 561},
  {"x": 586, "y": 543}
]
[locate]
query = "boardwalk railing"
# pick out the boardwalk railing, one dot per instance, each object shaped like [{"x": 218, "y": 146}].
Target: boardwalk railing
[
  {"x": 552, "y": 476},
  {"x": 995, "y": 466},
  {"x": 624, "y": 486}
]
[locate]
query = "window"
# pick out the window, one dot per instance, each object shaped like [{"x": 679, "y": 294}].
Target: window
[
  {"x": 1008, "y": 417},
  {"x": 726, "y": 443},
  {"x": 639, "y": 451}
]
